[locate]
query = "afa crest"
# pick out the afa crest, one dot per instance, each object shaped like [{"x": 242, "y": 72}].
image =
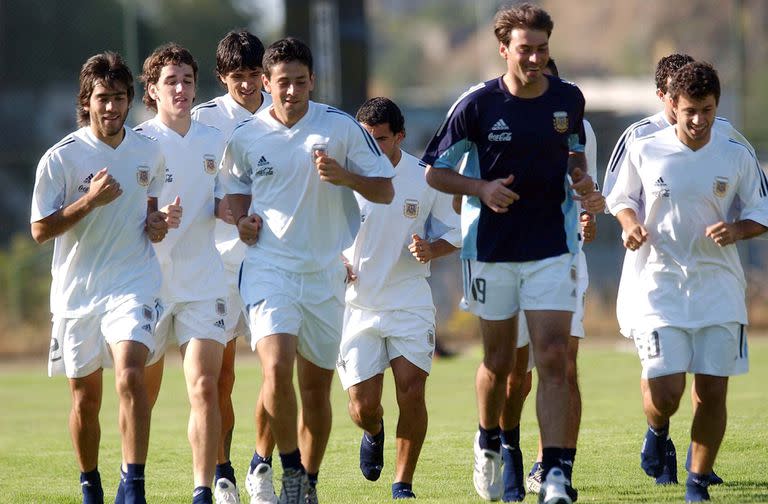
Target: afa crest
[
  {"x": 560, "y": 121},
  {"x": 221, "y": 307},
  {"x": 720, "y": 186},
  {"x": 411, "y": 208},
  {"x": 209, "y": 164},
  {"x": 142, "y": 175}
]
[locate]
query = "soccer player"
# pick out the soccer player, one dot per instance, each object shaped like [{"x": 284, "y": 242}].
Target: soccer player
[
  {"x": 238, "y": 67},
  {"x": 689, "y": 288},
  {"x": 389, "y": 320},
  {"x": 290, "y": 173},
  {"x": 193, "y": 294},
  {"x": 519, "y": 380},
  {"x": 521, "y": 239},
  {"x": 96, "y": 195},
  {"x": 625, "y": 307}
]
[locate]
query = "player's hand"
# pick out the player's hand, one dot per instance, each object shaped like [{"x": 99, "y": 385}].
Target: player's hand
[
  {"x": 722, "y": 234},
  {"x": 497, "y": 196},
  {"x": 635, "y": 236},
  {"x": 248, "y": 227},
  {"x": 173, "y": 213},
  {"x": 331, "y": 171},
  {"x": 156, "y": 226},
  {"x": 104, "y": 189},
  {"x": 456, "y": 203},
  {"x": 351, "y": 275},
  {"x": 591, "y": 199},
  {"x": 224, "y": 212},
  {"x": 421, "y": 249},
  {"x": 588, "y": 224}
]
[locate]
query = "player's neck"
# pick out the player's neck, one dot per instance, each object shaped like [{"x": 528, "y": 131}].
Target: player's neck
[
  {"x": 288, "y": 118},
  {"x": 396, "y": 157},
  {"x": 532, "y": 89},
  {"x": 180, "y": 124},
  {"x": 111, "y": 140},
  {"x": 693, "y": 144}
]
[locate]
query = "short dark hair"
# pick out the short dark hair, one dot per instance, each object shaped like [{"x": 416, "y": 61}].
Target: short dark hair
[
  {"x": 108, "y": 69},
  {"x": 526, "y": 16},
  {"x": 284, "y": 51},
  {"x": 238, "y": 49},
  {"x": 696, "y": 80},
  {"x": 667, "y": 66},
  {"x": 553, "y": 67},
  {"x": 167, "y": 54},
  {"x": 380, "y": 110}
]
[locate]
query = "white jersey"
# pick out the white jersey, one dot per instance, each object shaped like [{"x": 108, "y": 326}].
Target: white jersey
[
  {"x": 389, "y": 277},
  {"x": 224, "y": 113},
  {"x": 191, "y": 265},
  {"x": 681, "y": 277},
  {"x": 106, "y": 258},
  {"x": 307, "y": 223}
]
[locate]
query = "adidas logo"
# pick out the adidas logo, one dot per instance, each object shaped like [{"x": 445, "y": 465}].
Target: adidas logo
[
  {"x": 262, "y": 161},
  {"x": 263, "y": 168},
  {"x": 147, "y": 328},
  {"x": 499, "y": 126},
  {"x": 662, "y": 189},
  {"x": 660, "y": 182},
  {"x": 83, "y": 188},
  {"x": 219, "y": 323}
]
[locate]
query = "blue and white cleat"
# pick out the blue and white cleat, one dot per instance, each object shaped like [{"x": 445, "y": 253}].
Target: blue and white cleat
[
  {"x": 554, "y": 488},
  {"x": 489, "y": 483}
]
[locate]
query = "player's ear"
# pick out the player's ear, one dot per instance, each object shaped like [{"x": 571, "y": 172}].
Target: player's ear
[
  {"x": 503, "y": 50},
  {"x": 660, "y": 94}
]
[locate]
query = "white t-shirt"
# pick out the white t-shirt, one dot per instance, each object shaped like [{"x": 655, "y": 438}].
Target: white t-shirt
[
  {"x": 307, "y": 222},
  {"x": 681, "y": 277},
  {"x": 106, "y": 258},
  {"x": 191, "y": 265},
  {"x": 224, "y": 113},
  {"x": 389, "y": 277}
]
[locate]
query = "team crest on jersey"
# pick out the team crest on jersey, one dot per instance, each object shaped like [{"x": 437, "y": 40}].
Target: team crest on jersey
[
  {"x": 411, "y": 208},
  {"x": 209, "y": 164},
  {"x": 720, "y": 187},
  {"x": 431, "y": 337},
  {"x": 221, "y": 307},
  {"x": 142, "y": 175},
  {"x": 560, "y": 120}
]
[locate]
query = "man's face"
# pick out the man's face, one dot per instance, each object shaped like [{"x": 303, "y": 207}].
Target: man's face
[
  {"x": 389, "y": 142},
  {"x": 289, "y": 84},
  {"x": 174, "y": 90},
  {"x": 108, "y": 109},
  {"x": 244, "y": 86},
  {"x": 526, "y": 55},
  {"x": 695, "y": 119}
]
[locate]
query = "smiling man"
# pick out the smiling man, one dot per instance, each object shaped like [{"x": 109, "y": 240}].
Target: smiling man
[
  {"x": 291, "y": 172},
  {"x": 689, "y": 292},
  {"x": 522, "y": 134},
  {"x": 193, "y": 293}
]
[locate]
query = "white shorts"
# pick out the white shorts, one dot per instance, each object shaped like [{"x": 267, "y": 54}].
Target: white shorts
[
  {"x": 577, "y": 321},
  {"x": 80, "y": 346},
  {"x": 308, "y": 305},
  {"x": 498, "y": 291},
  {"x": 719, "y": 350},
  {"x": 371, "y": 339},
  {"x": 181, "y": 322},
  {"x": 236, "y": 319}
]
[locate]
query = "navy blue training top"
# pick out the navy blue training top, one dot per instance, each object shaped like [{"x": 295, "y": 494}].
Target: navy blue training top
[{"x": 501, "y": 134}]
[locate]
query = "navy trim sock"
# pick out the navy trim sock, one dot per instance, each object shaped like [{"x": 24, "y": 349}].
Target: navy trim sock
[
  {"x": 551, "y": 457},
  {"x": 312, "y": 477},
  {"x": 202, "y": 495},
  {"x": 258, "y": 459},
  {"x": 291, "y": 460},
  {"x": 134, "y": 483},
  {"x": 569, "y": 456},
  {"x": 225, "y": 470},
  {"x": 90, "y": 484},
  {"x": 403, "y": 489},
  {"x": 490, "y": 439}
]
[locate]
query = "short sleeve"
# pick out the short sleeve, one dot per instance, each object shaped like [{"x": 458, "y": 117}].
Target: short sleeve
[{"x": 49, "y": 193}]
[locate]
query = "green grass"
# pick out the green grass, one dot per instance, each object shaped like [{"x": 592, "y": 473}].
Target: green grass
[{"x": 37, "y": 463}]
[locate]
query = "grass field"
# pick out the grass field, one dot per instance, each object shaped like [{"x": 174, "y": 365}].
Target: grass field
[{"x": 37, "y": 463}]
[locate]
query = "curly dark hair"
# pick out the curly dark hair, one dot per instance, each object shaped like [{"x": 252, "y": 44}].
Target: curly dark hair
[
  {"x": 285, "y": 51},
  {"x": 108, "y": 69},
  {"x": 667, "y": 66},
  {"x": 526, "y": 15},
  {"x": 381, "y": 110},
  {"x": 696, "y": 80},
  {"x": 168, "y": 54}
]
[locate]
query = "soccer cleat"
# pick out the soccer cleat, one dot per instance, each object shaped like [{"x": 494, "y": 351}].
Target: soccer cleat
[
  {"x": 696, "y": 488},
  {"x": 120, "y": 495},
  {"x": 295, "y": 486},
  {"x": 372, "y": 455},
  {"x": 514, "y": 487},
  {"x": 652, "y": 454},
  {"x": 225, "y": 492},
  {"x": 553, "y": 488},
  {"x": 489, "y": 483},
  {"x": 668, "y": 474},
  {"x": 259, "y": 485},
  {"x": 403, "y": 493},
  {"x": 533, "y": 481},
  {"x": 311, "y": 496},
  {"x": 714, "y": 479}
]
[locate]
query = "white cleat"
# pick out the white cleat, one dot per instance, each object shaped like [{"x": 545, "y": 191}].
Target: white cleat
[
  {"x": 225, "y": 492},
  {"x": 489, "y": 483},
  {"x": 259, "y": 485},
  {"x": 553, "y": 488}
]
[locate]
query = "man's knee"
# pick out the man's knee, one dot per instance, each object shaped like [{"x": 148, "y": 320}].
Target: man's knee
[
  {"x": 710, "y": 390},
  {"x": 226, "y": 380},
  {"x": 363, "y": 408},
  {"x": 665, "y": 397},
  {"x": 205, "y": 390},
  {"x": 279, "y": 373},
  {"x": 410, "y": 393},
  {"x": 130, "y": 381},
  {"x": 499, "y": 364},
  {"x": 552, "y": 362},
  {"x": 86, "y": 405}
]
